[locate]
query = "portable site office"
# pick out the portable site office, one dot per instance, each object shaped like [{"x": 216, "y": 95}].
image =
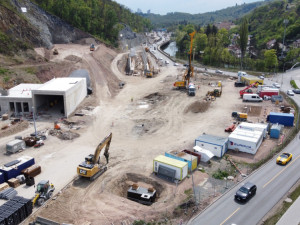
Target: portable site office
[
  {"x": 170, "y": 169},
  {"x": 255, "y": 127},
  {"x": 216, "y": 145},
  {"x": 182, "y": 156}
]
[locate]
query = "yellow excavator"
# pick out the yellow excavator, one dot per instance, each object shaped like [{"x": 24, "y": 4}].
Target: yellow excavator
[
  {"x": 190, "y": 70},
  {"x": 91, "y": 167}
]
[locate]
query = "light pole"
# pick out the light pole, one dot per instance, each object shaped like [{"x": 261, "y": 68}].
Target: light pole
[{"x": 33, "y": 113}]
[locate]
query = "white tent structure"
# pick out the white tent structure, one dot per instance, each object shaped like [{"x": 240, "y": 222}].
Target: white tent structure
[{"x": 206, "y": 155}]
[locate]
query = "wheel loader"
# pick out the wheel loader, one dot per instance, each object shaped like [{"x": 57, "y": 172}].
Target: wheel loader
[{"x": 44, "y": 191}]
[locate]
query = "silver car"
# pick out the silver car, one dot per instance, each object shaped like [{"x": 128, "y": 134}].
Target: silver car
[{"x": 290, "y": 93}]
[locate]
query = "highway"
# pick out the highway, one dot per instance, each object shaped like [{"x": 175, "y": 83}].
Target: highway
[{"x": 273, "y": 182}]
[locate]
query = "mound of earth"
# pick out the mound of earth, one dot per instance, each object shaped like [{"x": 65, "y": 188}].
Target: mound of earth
[{"x": 197, "y": 107}]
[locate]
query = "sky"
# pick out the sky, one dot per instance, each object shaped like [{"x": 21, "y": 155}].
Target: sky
[{"x": 163, "y": 7}]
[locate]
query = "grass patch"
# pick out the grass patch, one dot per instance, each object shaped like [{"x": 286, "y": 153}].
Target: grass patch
[
  {"x": 31, "y": 70},
  {"x": 275, "y": 218},
  {"x": 293, "y": 84},
  {"x": 220, "y": 174},
  {"x": 3, "y": 71}
]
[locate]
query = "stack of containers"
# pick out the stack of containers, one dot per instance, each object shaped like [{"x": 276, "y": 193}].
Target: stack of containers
[
  {"x": 15, "y": 211},
  {"x": 14, "y": 168}
]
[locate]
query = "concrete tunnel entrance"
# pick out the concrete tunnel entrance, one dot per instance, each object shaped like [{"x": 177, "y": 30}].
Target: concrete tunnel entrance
[{"x": 53, "y": 104}]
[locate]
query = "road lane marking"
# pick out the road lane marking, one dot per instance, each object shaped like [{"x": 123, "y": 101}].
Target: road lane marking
[
  {"x": 230, "y": 216},
  {"x": 281, "y": 171}
]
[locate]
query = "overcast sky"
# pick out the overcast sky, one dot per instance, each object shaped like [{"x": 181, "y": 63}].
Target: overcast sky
[{"x": 189, "y": 6}]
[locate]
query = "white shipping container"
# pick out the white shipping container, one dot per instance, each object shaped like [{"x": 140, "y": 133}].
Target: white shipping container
[{"x": 180, "y": 167}]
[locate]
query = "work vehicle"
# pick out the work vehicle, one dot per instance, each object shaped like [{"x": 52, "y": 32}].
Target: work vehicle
[
  {"x": 239, "y": 84},
  {"x": 217, "y": 92},
  {"x": 92, "y": 167},
  {"x": 290, "y": 93},
  {"x": 252, "y": 98},
  {"x": 268, "y": 92},
  {"x": 296, "y": 91},
  {"x": 149, "y": 73},
  {"x": 284, "y": 158},
  {"x": 92, "y": 47},
  {"x": 190, "y": 69},
  {"x": 192, "y": 89},
  {"x": 276, "y": 85},
  {"x": 247, "y": 89},
  {"x": 239, "y": 116},
  {"x": 44, "y": 191},
  {"x": 245, "y": 192}
]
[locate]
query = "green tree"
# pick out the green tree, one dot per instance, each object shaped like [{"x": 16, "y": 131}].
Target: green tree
[
  {"x": 243, "y": 40},
  {"x": 270, "y": 59}
]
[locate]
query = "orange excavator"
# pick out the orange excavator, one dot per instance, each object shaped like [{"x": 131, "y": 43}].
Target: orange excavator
[{"x": 190, "y": 69}]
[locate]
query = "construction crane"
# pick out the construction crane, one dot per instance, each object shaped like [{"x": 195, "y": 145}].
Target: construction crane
[
  {"x": 247, "y": 90},
  {"x": 190, "y": 69},
  {"x": 91, "y": 167}
]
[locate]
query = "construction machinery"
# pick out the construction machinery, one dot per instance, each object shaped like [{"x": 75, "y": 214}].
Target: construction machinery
[
  {"x": 239, "y": 116},
  {"x": 190, "y": 69},
  {"x": 44, "y": 191},
  {"x": 247, "y": 90},
  {"x": 91, "y": 167},
  {"x": 92, "y": 47},
  {"x": 217, "y": 92}
]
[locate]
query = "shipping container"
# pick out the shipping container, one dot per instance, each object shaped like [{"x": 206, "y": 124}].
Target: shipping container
[
  {"x": 15, "y": 170},
  {"x": 275, "y": 131},
  {"x": 245, "y": 140},
  {"x": 177, "y": 170},
  {"x": 182, "y": 156},
  {"x": 215, "y": 144},
  {"x": 286, "y": 119},
  {"x": 268, "y": 92}
]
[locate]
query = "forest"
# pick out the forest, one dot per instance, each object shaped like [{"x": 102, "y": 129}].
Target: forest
[{"x": 101, "y": 18}]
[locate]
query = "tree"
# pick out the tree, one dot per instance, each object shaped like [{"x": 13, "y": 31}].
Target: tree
[
  {"x": 270, "y": 59},
  {"x": 243, "y": 40}
]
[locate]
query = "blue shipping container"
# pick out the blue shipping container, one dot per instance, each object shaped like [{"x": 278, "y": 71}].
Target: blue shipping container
[
  {"x": 286, "y": 119},
  {"x": 275, "y": 131},
  {"x": 15, "y": 170},
  {"x": 1, "y": 178}
]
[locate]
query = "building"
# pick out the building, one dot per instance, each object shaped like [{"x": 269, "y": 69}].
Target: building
[{"x": 61, "y": 95}]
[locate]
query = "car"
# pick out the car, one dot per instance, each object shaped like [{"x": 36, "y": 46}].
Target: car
[
  {"x": 166, "y": 62},
  {"x": 175, "y": 64},
  {"x": 284, "y": 158},
  {"x": 290, "y": 92},
  {"x": 261, "y": 77},
  {"x": 239, "y": 84},
  {"x": 296, "y": 91},
  {"x": 247, "y": 191},
  {"x": 219, "y": 71},
  {"x": 160, "y": 58},
  {"x": 186, "y": 65},
  {"x": 276, "y": 85}
]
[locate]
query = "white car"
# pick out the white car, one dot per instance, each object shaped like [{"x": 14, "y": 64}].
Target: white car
[
  {"x": 276, "y": 85},
  {"x": 219, "y": 71},
  {"x": 166, "y": 62},
  {"x": 175, "y": 64},
  {"x": 160, "y": 58},
  {"x": 290, "y": 92}
]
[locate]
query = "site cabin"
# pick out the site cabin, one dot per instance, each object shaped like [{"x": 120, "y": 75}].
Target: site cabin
[
  {"x": 264, "y": 127},
  {"x": 268, "y": 92},
  {"x": 15, "y": 146},
  {"x": 251, "y": 98},
  {"x": 170, "y": 169},
  {"x": 215, "y": 144},
  {"x": 184, "y": 157},
  {"x": 245, "y": 140}
]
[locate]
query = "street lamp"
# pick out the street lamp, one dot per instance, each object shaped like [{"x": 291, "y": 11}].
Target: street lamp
[{"x": 34, "y": 121}]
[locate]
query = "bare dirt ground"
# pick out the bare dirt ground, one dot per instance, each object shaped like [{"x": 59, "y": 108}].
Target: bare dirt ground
[{"x": 147, "y": 118}]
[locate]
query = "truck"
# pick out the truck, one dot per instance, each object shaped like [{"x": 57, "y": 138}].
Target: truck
[
  {"x": 191, "y": 89},
  {"x": 268, "y": 92}
]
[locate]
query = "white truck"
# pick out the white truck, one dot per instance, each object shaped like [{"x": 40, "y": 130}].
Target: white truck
[{"x": 191, "y": 89}]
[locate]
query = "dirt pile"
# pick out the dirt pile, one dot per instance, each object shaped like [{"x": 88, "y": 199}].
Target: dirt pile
[
  {"x": 64, "y": 135},
  {"x": 197, "y": 107},
  {"x": 13, "y": 128}
]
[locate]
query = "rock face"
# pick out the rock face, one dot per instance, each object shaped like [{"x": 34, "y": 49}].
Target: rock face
[{"x": 41, "y": 28}]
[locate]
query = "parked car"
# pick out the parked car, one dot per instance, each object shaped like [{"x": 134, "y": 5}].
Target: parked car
[
  {"x": 284, "y": 158},
  {"x": 276, "y": 85},
  {"x": 166, "y": 62},
  {"x": 175, "y": 64},
  {"x": 296, "y": 91},
  {"x": 251, "y": 98},
  {"x": 219, "y": 71},
  {"x": 261, "y": 77},
  {"x": 245, "y": 192},
  {"x": 275, "y": 98},
  {"x": 290, "y": 92},
  {"x": 239, "y": 84}
]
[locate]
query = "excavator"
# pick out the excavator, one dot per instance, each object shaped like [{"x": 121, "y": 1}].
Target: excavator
[
  {"x": 91, "y": 167},
  {"x": 190, "y": 69}
]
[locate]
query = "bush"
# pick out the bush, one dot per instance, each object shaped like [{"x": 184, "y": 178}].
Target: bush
[
  {"x": 220, "y": 174},
  {"x": 293, "y": 84}
]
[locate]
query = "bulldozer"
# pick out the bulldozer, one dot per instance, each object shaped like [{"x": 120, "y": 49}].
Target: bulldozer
[
  {"x": 92, "y": 167},
  {"x": 216, "y": 93},
  {"x": 44, "y": 191}
]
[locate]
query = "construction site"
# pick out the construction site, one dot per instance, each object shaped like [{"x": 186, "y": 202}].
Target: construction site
[{"x": 143, "y": 110}]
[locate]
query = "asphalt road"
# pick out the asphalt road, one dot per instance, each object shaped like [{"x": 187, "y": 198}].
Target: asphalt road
[{"x": 273, "y": 182}]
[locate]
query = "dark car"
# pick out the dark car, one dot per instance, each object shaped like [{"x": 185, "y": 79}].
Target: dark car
[
  {"x": 296, "y": 91},
  {"x": 239, "y": 84},
  {"x": 246, "y": 192}
]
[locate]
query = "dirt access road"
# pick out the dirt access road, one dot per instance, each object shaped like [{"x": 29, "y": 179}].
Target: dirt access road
[{"x": 147, "y": 118}]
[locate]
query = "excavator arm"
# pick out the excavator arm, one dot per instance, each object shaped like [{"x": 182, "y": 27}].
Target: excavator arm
[
  {"x": 105, "y": 142},
  {"x": 190, "y": 71}
]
